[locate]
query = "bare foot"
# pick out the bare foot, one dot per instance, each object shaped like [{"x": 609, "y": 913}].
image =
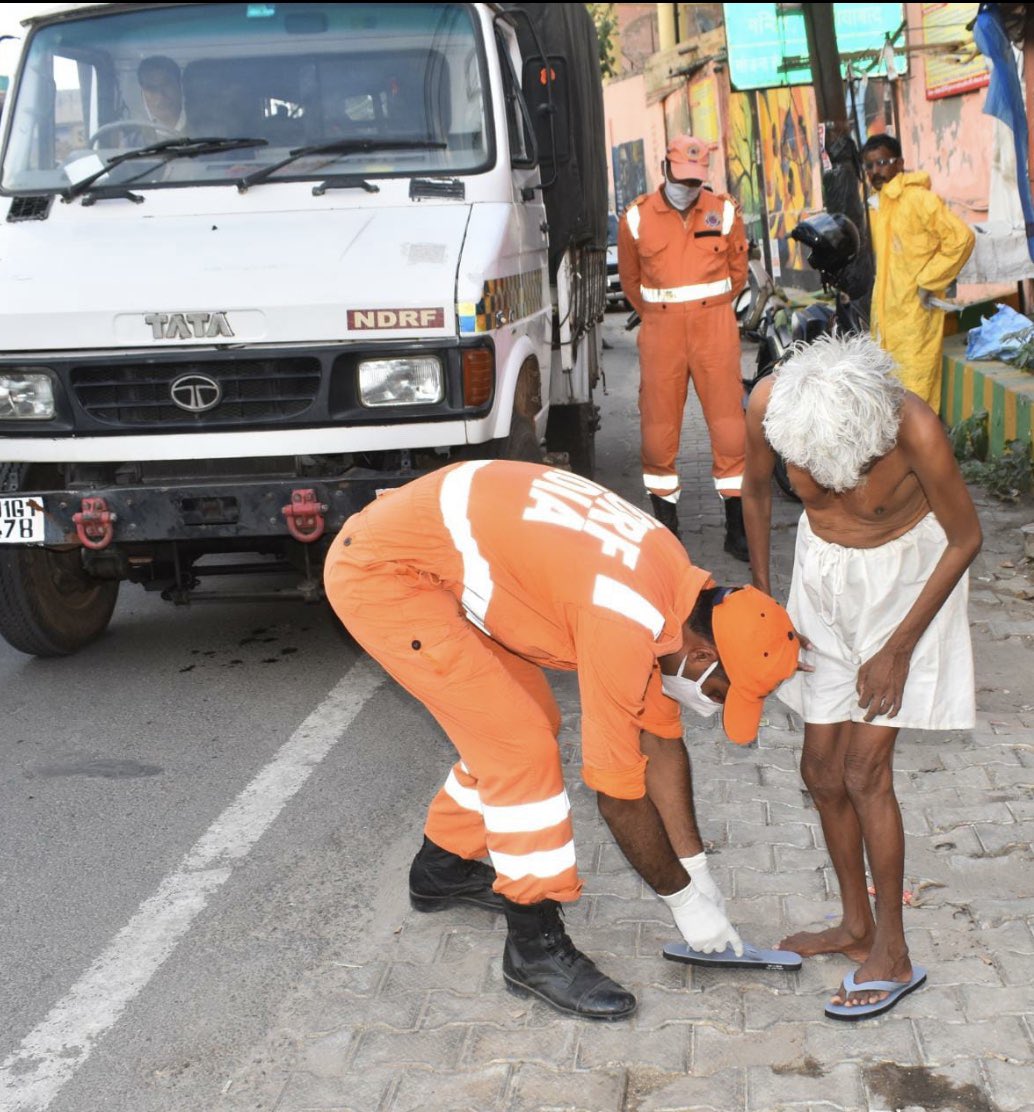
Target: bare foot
[
  {"x": 876, "y": 968},
  {"x": 836, "y": 940}
]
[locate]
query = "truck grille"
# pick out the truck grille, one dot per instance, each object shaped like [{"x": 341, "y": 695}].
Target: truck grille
[{"x": 253, "y": 392}]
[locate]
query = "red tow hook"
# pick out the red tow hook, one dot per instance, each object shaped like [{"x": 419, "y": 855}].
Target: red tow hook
[
  {"x": 305, "y": 520},
  {"x": 95, "y": 524}
]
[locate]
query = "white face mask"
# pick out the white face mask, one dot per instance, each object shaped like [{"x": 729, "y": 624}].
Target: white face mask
[
  {"x": 681, "y": 196},
  {"x": 690, "y": 693}
]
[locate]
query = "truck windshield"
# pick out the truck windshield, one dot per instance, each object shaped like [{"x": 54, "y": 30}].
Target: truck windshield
[{"x": 296, "y": 75}]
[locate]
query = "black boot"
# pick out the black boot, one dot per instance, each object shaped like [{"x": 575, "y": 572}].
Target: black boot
[
  {"x": 439, "y": 879},
  {"x": 735, "y": 537},
  {"x": 666, "y": 513},
  {"x": 541, "y": 960}
]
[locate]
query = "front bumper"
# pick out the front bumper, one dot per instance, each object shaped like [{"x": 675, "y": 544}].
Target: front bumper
[{"x": 209, "y": 512}]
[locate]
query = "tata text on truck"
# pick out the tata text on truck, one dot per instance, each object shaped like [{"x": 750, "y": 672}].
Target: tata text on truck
[{"x": 260, "y": 261}]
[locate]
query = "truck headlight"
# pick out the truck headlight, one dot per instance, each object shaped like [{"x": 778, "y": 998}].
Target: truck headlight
[
  {"x": 26, "y": 397},
  {"x": 405, "y": 380}
]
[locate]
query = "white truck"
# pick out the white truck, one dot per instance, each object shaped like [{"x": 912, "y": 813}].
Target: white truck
[{"x": 259, "y": 261}]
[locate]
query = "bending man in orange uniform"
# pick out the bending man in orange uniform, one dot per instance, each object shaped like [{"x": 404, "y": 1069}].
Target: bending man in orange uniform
[
  {"x": 682, "y": 258},
  {"x": 464, "y": 585}
]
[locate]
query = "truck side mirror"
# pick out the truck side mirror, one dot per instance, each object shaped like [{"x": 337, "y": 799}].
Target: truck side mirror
[{"x": 546, "y": 93}]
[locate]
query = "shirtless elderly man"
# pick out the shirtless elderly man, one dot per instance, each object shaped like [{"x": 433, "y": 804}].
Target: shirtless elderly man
[{"x": 879, "y": 589}]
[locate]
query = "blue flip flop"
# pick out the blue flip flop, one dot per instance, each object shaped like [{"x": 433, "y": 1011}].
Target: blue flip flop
[
  {"x": 897, "y": 990},
  {"x": 783, "y": 960}
]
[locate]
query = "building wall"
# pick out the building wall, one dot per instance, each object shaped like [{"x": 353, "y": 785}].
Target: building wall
[
  {"x": 949, "y": 138},
  {"x": 636, "y": 36},
  {"x": 635, "y": 139}
]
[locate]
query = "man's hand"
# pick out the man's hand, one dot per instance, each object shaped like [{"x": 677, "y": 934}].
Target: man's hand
[
  {"x": 701, "y": 924},
  {"x": 924, "y": 298},
  {"x": 700, "y": 875},
  {"x": 881, "y": 681},
  {"x": 806, "y": 646}
]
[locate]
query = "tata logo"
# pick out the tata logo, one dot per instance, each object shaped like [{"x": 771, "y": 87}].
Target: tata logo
[
  {"x": 188, "y": 326},
  {"x": 359, "y": 319},
  {"x": 196, "y": 393}
]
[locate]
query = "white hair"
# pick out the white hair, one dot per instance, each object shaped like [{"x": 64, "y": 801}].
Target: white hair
[{"x": 835, "y": 408}]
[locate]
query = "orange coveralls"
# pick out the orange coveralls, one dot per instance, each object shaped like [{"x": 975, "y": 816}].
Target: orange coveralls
[
  {"x": 464, "y": 585},
  {"x": 681, "y": 272}
]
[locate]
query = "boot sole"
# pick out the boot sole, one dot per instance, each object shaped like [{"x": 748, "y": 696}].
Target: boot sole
[
  {"x": 443, "y": 903},
  {"x": 517, "y": 988}
]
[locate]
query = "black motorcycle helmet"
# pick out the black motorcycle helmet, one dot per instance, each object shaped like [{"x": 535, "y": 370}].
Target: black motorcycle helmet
[{"x": 833, "y": 242}]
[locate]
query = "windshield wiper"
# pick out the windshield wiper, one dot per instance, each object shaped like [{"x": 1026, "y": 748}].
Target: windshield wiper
[
  {"x": 342, "y": 146},
  {"x": 165, "y": 151}
]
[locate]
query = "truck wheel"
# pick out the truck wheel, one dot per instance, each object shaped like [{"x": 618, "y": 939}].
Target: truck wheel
[
  {"x": 522, "y": 443},
  {"x": 572, "y": 429},
  {"x": 48, "y": 605}
]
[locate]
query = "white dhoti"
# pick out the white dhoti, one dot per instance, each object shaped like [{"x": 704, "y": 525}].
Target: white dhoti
[{"x": 848, "y": 601}]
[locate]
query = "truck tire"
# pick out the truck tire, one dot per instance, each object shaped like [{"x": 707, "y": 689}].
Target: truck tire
[
  {"x": 572, "y": 429},
  {"x": 49, "y": 606},
  {"x": 522, "y": 443}
]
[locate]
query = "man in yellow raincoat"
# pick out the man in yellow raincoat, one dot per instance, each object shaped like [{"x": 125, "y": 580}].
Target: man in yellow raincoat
[{"x": 921, "y": 246}]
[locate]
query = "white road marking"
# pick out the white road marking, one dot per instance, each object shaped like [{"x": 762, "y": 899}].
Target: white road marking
[{"x": 50, "y": 1055}]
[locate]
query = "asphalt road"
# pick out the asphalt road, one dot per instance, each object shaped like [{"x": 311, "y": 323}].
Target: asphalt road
[{"x": 197, "y": 810}]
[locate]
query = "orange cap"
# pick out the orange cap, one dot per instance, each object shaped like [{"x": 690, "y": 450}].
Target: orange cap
[
  {"x": 689, "y": 158},
  {"x": 758, "y": 650}
]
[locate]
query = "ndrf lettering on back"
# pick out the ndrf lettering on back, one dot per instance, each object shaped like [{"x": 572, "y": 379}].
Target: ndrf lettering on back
[{"x": 571, "y": 502}]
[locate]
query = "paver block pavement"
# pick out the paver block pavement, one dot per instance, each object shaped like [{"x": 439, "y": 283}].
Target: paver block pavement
[
  {"x": 1003, "y": 1037},
  {"x": 801, "y": 1080},
  {"x": 723, "y": 1093},
  {"x": 554, "y": 1044},
  {"x": 892, "y": 1087},
  {"x": 479, "y": 1090},
  {"x": 1012, "y": 1084},
  {"x": 808, "y": 884},
  {"x": 720, "y": 1004},
  {"x": 384, "y": 1046},
  {"x": 538, "y": 1089},
  {"x": 421, "y": 1018},
  {"x": 351, "y": 1092},
  {"x": 716, "y": 1048}
]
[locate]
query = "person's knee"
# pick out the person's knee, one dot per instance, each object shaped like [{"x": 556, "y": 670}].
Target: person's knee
[
  {"x": 824, "y": 781},
  {"x": 866, "y": 777}
]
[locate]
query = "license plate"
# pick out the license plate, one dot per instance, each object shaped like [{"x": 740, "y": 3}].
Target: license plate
[{"x": 21, "y": 520}]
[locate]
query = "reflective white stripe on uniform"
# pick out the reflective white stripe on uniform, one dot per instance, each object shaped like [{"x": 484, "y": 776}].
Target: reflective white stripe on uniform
[
  {"x": 686, "y": 293},
  {"x": 633, "y": 217},
  {"x": 735, "y": 482},
  {"x": 612, "y": 595},
  {"x": 660, "y": 482},
  {"x": 454, "y": 501},
  {"x": 467, "y": 798},
  {"x": 543, "y": 863},
  {"x": 524, "y": 818},
  {"x": 728, "y": 217}
]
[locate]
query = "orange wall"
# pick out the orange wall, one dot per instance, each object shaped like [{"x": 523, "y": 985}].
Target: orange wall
[
  {"x": 628, "y": 118},
  {"x": 949, "y": 138}
]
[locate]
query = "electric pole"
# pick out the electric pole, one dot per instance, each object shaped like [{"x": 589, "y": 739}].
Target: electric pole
[{"x": 841, "y": 183}]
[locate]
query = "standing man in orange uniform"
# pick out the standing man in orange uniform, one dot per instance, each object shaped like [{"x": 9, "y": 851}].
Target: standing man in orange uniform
[
  {"x": 682, "y": 258},
  {"x": 464, "y": 585}
]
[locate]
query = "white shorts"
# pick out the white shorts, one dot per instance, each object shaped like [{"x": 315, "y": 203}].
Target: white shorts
[{"x": 848, "y": 601}]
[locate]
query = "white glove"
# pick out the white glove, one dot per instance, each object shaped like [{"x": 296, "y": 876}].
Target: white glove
[
  {"x": 702, "y": 880},
  {"x": 702, "y": 925}
]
